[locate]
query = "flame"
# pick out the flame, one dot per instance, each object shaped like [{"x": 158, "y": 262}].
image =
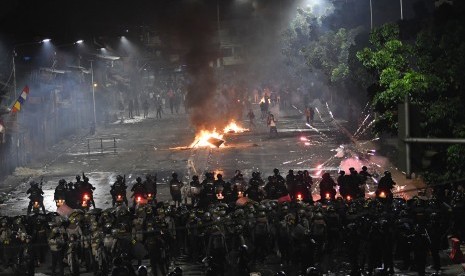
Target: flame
[
  {"x": 201, "y": 139},
  {"x": 233, "y": 127},
  {"x": 262, "y": 100}
]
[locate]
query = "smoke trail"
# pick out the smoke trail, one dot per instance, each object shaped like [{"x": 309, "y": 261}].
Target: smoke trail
[{"x": 196, "y": 34}]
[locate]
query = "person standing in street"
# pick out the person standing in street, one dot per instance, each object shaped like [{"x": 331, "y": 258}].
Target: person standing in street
[
  {"x": 136, "y": 106},
  {"x": 251, "y": 117},
  {"x": 307, "y": 114},
  {"x": 159, "y": 106},
  {"x": 131, "y": 109},
  {"x": 145, "y": 106}
]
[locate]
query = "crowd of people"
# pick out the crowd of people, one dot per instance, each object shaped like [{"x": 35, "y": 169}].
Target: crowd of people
[{"x": 236, "y": 226}]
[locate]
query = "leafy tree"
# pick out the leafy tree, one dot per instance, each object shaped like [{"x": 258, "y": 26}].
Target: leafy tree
[{"x": 429, "y": 69}]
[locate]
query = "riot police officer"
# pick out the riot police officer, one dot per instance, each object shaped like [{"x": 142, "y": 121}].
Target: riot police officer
[
  {"x": 175, "y": 189},
  {"x": 138, "y": 190},
  {"x": 36, "y": 194},
  {"x": 119, "y": 189}
]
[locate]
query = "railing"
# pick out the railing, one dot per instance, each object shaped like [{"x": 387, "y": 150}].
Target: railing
[{"x": 101, "y": 145}]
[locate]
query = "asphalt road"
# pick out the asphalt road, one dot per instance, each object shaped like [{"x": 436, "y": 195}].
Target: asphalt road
[
  {"x": 152, "y": 146},
  {"x": 149, "y": 146}
]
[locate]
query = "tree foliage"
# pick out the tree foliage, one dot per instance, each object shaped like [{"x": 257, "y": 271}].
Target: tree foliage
[{"x": 428, "y": 68}]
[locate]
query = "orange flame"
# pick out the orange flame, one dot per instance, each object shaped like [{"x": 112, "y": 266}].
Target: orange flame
[
  {"x": 233, "y": 127},
  {"x": 201, "y": 139}
]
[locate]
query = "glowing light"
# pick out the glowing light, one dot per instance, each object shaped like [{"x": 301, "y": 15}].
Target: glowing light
[
  {"x": 328, "y": 196},
  {"x": 204, "y": 138},
  {"x": 263, "y": 100},
  {"x": 80, "y": 41},
  {"x": 86, "y": 197},
  {"x": 299, "y": 197},
  {"x": 46, "y": 40},
  {"x": 233, "y": 127},
  {"x": 219, "y": 196},
  {"x": 303, "y": 139},
  {"x": 349, "y": 198},
  {"x": 307, "y": 143},
  {"x": 239, "y": 194},
  {"x": 382, "y": 195}
]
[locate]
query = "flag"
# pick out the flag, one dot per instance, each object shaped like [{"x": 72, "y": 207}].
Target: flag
[{"x": 21, "y": 99}]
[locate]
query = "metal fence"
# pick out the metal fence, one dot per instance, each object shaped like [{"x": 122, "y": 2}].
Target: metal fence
[{"x": 101, "y": 145}]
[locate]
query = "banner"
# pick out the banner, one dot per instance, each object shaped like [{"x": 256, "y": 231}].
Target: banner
[{"x": 21, "y": 99}]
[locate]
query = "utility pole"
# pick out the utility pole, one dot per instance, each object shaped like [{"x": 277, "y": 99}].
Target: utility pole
[
  {"x": 93, "y": 92},
  {"x": 14, "y": 72},
  {"x": 371, "y": 16},
  {"x": 401, "y": 11}
]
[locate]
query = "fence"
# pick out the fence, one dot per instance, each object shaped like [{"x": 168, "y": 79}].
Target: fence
[{"x": 101, "y": 145}]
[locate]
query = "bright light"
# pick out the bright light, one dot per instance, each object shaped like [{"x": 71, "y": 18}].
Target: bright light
[
  {"x": 80, "y": 41},
  {"x": 95, "y": 84},
  {"x": 46, "y": 40}
]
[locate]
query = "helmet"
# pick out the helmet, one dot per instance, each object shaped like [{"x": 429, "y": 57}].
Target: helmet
[
  {"x": 275, "y": 171},
  {"x": 78, "y": 177},
  {"x": 364, "y": 168},
  {"x": 195, "y": 177},
  {"x": 119, "y": 178},
  {"x": 33, "y": 183},
  {"x": 387, "y": 173},
  {"x": 342, "y": 172},
  {"x": 312, "y": 271},
  {"x": 138, "y": 179},
  {"x": 174, "y": 175},
  {"x": 62, "y": 182},
  {"x": 291, "y": 171},
  {"x": 142, "y": 270},
  {"x": 117, "y": 261},
  {"x": 178, "y": 270},
  {"x": 219, "y": 176}
]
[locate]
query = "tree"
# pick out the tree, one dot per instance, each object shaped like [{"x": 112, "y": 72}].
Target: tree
[{"x": 429, "y": 68}]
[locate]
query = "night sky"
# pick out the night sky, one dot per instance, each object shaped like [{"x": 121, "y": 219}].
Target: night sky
[{"x": 29, "y": 20}]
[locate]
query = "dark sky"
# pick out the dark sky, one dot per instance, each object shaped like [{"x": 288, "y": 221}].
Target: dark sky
[{"x": 69, "y": 20}]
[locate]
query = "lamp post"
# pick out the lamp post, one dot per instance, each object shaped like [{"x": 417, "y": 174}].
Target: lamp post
[
  {"x": 14, "y": 55},
  {"x": 93, "y": 92},
  {"x": 371, "y": 16},
  {"x": 401, "y": 10}
]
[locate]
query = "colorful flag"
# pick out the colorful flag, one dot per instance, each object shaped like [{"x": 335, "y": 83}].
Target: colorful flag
[{"x": 21, "y": 99}]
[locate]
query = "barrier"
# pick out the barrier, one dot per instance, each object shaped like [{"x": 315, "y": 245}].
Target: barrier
[{"x": 101, "y": 144}]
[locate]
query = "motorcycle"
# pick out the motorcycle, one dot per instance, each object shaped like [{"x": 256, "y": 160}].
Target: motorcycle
[
  {"x": 139, "y": 200},
  {"x": 119, "y": 199},
  {"x": 85, "y": 202},
  {"x": 59, "y": 202},
  {"x": 151, "y": 200},
  {"x": 36, "y": 207},
  {"x": 384, "y": 194}
]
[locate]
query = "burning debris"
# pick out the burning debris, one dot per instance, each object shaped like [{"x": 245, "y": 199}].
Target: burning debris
[
  {"x": 207, "y": 138},
  {"x": 233, "y": 127},
  {"x": 214, "y": 139}
]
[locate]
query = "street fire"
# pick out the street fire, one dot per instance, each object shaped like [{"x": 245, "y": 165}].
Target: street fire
[
  {"x": 207, "y": 138},
  {"x": 233, "y": 127}
]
